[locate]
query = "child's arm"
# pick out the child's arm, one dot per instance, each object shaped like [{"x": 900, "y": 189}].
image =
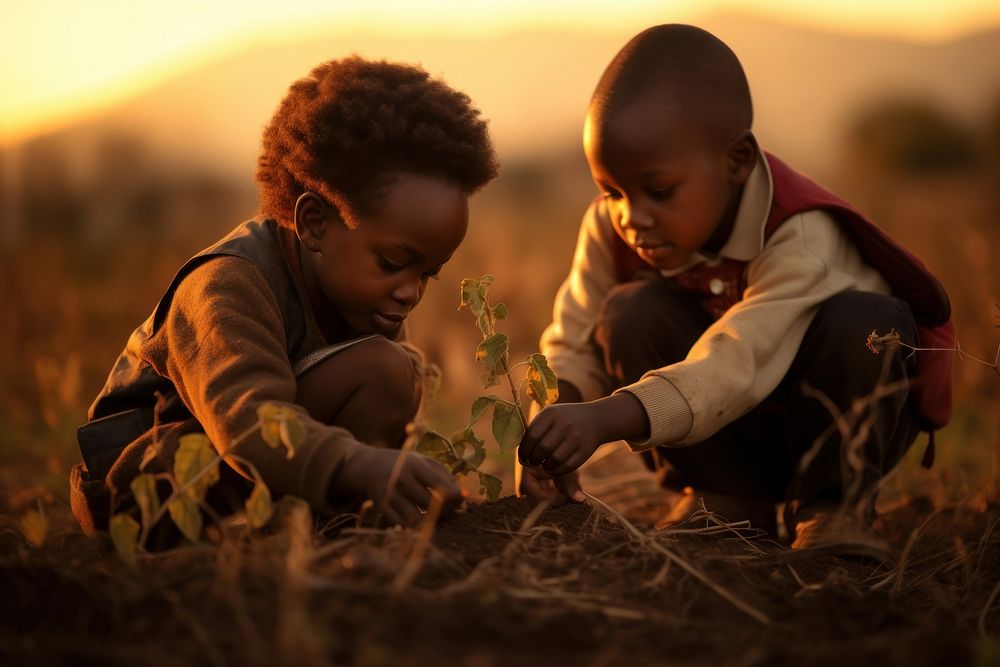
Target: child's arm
[
  {"x": 222, "y": 344},
  {"x": 566, "y": 342},
  {"x": 564, "y": 436}
]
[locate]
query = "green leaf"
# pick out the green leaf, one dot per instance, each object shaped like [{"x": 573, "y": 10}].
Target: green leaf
[
  {"x": 281, "y": 425},
  {"x": 490, "y": 485},
  {"x": 500, "y": 311},
  {"x": 507, "y": 426},
  {"x": 485, "y": 323},
  {"x": 473, "y": 296},
  {"x": 543, "y": 386},
  {"x": 194, "y": 455},
  {"x": 35, "y": 526},
  {"x": 437, "y": 447},
  {"x": 259, "y": 506},
  {"x": 144, "y": 489},
  {"x": 493, "y": 351},
  {"x": 292, "y": 431},
  {"x": 125, "y": 536},
  {"x": 270, "y": 429},
  {"x": 480, "y": 406},
  {"x": 473, "y": 449},
  {"x": 490, "y": 379},
  {"x": 187, "y": 517}
]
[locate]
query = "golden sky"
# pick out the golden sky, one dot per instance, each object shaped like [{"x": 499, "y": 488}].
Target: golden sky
[{"x": 64, "y": 59}]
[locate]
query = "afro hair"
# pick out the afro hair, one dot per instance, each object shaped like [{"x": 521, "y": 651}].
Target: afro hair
[{"x": 345, "y": 130}]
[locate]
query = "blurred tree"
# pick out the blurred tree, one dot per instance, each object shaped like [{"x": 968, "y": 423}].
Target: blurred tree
[
  {"x": 48, "y": 199},
  {"x": 913, "y": 137},
  {"x": 128, "y": 196}
]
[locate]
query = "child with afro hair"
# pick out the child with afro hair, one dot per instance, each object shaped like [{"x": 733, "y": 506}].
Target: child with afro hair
[{"x": 364, "y": 181}]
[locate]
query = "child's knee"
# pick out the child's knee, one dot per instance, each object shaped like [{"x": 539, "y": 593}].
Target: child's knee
[
  {"x": 625, "y": 313},
  {"x": 845, "y": 321},
  {"x": 391, "y": 374},
  {"x": 849, "y": 313},
  {"x": 374, "y": 381}
]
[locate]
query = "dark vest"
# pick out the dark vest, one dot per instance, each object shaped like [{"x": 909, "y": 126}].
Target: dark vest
[
  {"x": 124, "y": 409},
  {"x": 721, "y": 285}
]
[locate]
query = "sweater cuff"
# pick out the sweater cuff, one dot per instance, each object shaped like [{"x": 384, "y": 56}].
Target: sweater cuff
[
  {"x": 319, "y": 468},
  {"x": 670, "y": 417},
  {"x": 590, "y": 388}
]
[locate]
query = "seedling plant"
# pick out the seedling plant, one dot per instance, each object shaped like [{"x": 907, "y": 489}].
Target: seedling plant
[
  {"x": 465, "y": 451},
  {"x": 195, "y": 471}
]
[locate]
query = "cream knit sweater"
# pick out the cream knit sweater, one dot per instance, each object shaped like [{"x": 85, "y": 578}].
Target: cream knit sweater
[{"x": 744, "y": 355}]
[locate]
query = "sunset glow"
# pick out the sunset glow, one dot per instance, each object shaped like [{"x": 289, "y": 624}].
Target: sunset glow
[{"x": 63, "y": 60}]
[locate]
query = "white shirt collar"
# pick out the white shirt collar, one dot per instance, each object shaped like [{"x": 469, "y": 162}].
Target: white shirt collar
[
  {"x": 746, "y": 241},
  {"x": 747, "y": 238}
]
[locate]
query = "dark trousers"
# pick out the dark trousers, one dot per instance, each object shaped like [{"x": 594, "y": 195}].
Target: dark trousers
[{"x": 649, "y": 324}]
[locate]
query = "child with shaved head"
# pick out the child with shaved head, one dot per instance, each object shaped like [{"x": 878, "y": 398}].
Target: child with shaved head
[{"x": 717, "y": 312}]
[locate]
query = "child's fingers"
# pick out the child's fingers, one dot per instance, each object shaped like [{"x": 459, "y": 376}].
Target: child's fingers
[
  {"x": 558, "y": 458},
  {"x": 537, "y": 430},
  {"x": 415, "y": 492},
  {"x": 408, "y": 514},
  {"x": 536, "y": 487},
  {"x": 389, "y": 513},
  {"x": 570, "y": 486},
  {"x": 576, "y": 459},
  {"x": 435, "y": 477},
  {"x": 547, "y": 444}
]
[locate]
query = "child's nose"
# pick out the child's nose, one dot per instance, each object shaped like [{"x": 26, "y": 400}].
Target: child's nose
[
  {"x": 635, "y": 217},
  {"x": 408, "y": 292}
]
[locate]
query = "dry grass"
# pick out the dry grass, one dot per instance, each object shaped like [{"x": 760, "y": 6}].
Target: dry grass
[{"x": 500, "y": 583}]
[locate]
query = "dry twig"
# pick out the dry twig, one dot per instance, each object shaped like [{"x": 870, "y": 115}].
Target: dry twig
[{"x": 746, "y": 608}]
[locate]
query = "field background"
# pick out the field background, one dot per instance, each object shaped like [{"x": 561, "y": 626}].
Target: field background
[
  {"x": 98, "y": 210},
  {"x": 96, "y": 216}
]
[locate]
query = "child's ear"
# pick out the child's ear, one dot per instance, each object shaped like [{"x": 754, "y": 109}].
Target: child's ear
[
  {"x": 742, "y": 156},
  {"x": 312, "y": 217}
]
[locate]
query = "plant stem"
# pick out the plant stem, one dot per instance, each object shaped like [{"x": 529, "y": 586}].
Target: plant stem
[
  {"x": 518, "y": 365},
  {"x": 514, "y": 394},
  {"x": 491, "y": 327},
  {"x": 178, "y": 492}
]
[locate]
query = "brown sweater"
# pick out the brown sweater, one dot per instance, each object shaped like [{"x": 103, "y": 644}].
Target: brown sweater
[{"x": 222, "y": 344}]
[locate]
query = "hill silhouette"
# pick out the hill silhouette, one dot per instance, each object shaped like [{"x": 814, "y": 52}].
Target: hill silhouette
[{"x": 534, "y": 86}]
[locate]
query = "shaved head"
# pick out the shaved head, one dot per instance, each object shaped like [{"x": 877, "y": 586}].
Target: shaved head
[{"x": 691, "y": 70}]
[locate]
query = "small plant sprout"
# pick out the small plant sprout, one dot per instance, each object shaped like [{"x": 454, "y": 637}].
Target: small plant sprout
[
  {"x": 465, "y": 452},
  {"x": 195, "y": 471},
  {"x": 461, "y": 455}
]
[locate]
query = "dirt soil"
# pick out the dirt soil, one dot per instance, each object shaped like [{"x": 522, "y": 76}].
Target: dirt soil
[{"x": 505, "y": 583}]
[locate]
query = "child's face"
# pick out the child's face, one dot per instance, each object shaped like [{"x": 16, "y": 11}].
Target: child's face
[
  {"x": 668, "y": 187},
  {"x": 374, "y": 275}
]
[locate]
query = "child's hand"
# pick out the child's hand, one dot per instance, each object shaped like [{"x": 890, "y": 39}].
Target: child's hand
[
  {"x": 563, "y": 436},
  {"x": 369, "y": 471},
  {"x": 538, "y": 484}
]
